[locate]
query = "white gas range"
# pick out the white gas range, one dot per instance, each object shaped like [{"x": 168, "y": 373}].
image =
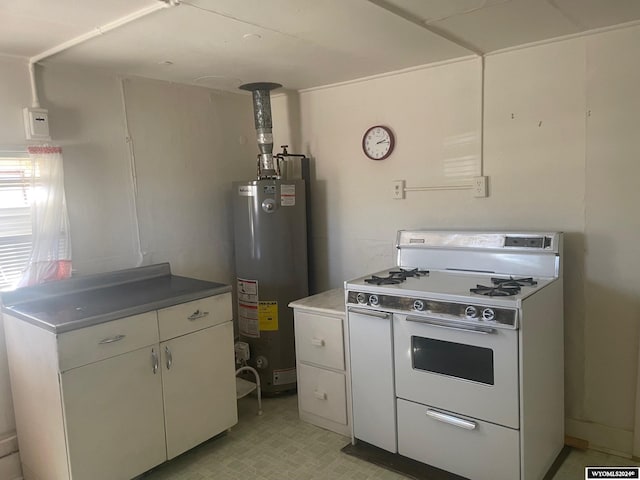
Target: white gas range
[{"x": 457, "y": 353}]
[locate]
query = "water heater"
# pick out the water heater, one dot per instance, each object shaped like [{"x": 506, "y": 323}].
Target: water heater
[{"x": 270, "y": 227}]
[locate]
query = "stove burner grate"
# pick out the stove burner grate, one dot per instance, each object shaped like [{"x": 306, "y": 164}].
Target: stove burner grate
[
  {"x": 405, "y": 273},
  {"x": 396, "y": 276},
  {"x": 496, "y": 291},
  {"x": 517, "y": 282},
  {"x": 376, "y": 280}
]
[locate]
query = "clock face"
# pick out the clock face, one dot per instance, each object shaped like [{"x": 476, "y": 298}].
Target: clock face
[{"x": 378, "y": 142}]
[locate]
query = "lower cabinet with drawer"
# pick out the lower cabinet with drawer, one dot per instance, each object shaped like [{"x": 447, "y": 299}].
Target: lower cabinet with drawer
[
  {"x": 323, "y": 381},
  {"x": 113, "y": 400}
]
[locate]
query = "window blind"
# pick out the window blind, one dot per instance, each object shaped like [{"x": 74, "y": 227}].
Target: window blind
[{"x": 17, "y": 185}]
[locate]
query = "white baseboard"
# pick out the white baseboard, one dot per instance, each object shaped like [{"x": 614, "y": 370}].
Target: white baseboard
[
  {"x": 9, "y": 458},
  {"x": 602, "y": 437},
  {"x": 8, "y": 445},
  {"x": 10, "y": 467}
]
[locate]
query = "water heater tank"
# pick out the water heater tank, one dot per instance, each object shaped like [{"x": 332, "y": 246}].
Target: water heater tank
[{"x": 270, "y": 226}]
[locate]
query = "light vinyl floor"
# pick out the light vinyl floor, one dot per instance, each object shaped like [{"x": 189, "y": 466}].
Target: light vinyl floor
[{"x": 278, "y": 446}]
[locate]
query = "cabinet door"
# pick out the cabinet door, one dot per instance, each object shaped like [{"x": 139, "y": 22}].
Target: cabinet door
[
  {"x": 199, "y": 387},
  {"x": 372, "y": 379},
  {"x": 113, "y": 414}
]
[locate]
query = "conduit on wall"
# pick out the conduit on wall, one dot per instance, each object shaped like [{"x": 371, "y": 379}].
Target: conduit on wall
[
  {"x": 161, "y": 4},
  {"x": 35, "y": 102},
  {"x": 390, "y": 7},
  {"x": 133, "y": 171},
  {"x": 464, "y": 185}
]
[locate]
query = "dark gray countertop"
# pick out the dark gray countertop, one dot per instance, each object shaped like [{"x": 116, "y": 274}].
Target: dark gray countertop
[{"x": 89, "y": 300}]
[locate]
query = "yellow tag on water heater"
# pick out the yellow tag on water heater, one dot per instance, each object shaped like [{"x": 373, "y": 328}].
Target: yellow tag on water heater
[{"x": 268, "y": 316}]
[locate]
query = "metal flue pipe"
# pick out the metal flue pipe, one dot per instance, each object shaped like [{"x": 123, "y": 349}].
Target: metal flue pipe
[{"x": 263, "y": 123}]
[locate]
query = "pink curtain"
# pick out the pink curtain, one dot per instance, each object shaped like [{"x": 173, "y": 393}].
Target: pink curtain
[{"x": 51, "y": 252}]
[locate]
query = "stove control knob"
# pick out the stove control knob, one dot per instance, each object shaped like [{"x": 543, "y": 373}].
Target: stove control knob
[
  {"x": 471, "y": 312},
  {"x": 488, "y": 314},
  {"x": 362, "y": 298},
  {"x": 373, "y": 299},
  {"x": 418, "y": 305}
]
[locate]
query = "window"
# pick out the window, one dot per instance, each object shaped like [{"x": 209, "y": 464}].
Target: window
[
  {"x": 35, "y": 244},
  {"x": 17, "y": 186}
]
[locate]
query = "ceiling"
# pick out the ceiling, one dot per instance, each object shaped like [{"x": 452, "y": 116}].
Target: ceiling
[{"x": 298, "y": 43}]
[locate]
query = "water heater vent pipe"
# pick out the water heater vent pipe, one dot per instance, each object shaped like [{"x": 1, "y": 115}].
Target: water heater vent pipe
[{"x": 264, "y": 124}]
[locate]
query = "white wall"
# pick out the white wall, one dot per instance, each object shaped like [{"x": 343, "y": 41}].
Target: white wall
[
  {"x": 15, "y": 94},
  {"x": 86, "y": 119},
  {"x": 612, "y": 228},
  {"x": 190, "y": 144},
  {"x": 550, "y": 167}
]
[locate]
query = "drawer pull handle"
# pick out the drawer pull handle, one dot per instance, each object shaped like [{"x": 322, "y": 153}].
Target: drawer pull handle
[
  {"x": 169, "y": 357},
  {"x": 452, "y": 326},
  {"x": 198, "y": 314},
  {"x": 451, "y": 420},
  {"x": 320, "y": 395},
  {"x": 370, "y": 313},
  {"x": 154, "y": 361},
  {"x": 115, "y": 338},
  {"x": 318, "y": 342}
]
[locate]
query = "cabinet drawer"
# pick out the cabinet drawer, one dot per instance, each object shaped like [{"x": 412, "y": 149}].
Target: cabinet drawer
[
  {"x": 457, "y": 449},
  {"x": 319, "y": 340},
  {"x": 322, "y": 393},
  {"x": 192, "y": 316},
  {"x": 90, "y": 344}
]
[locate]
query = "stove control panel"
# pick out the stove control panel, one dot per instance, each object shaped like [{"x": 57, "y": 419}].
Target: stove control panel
[
  {"x": 367, "y": 299},
  {"x": 480, "y": 313},
  {"x": 495, "y": 316}
]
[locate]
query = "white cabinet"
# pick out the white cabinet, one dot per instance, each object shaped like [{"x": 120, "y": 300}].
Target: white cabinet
[
  {"x": 321, "y": 361},
  {"x": 374, "y": 400},
  {"x": 113, "y": 400},
  {"x": 199, "y": 387},
  {"x": 198, "y": 371},
  {"x": 113, "y": 417}
]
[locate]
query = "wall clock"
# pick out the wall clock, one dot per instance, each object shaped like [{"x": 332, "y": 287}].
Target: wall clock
[{"x": 378, "y": 142}]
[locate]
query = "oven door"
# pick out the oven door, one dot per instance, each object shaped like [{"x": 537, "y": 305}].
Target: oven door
[{"x": 457, "y": 367}]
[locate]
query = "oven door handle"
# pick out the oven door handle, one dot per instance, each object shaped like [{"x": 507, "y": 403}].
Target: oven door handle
[
  {"x": 451, "y": 420},
  {"x": 371, "y": 313},
  {"x": 452, "y": 326}
]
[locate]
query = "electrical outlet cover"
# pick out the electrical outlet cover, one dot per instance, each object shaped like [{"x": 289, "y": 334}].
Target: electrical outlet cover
[
  {"x": 398, "y": 190},
  {"x": 480, "y": 187}
]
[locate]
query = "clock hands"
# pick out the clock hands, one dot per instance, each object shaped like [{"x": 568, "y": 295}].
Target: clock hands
[{"x": 382, "y": 141}]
